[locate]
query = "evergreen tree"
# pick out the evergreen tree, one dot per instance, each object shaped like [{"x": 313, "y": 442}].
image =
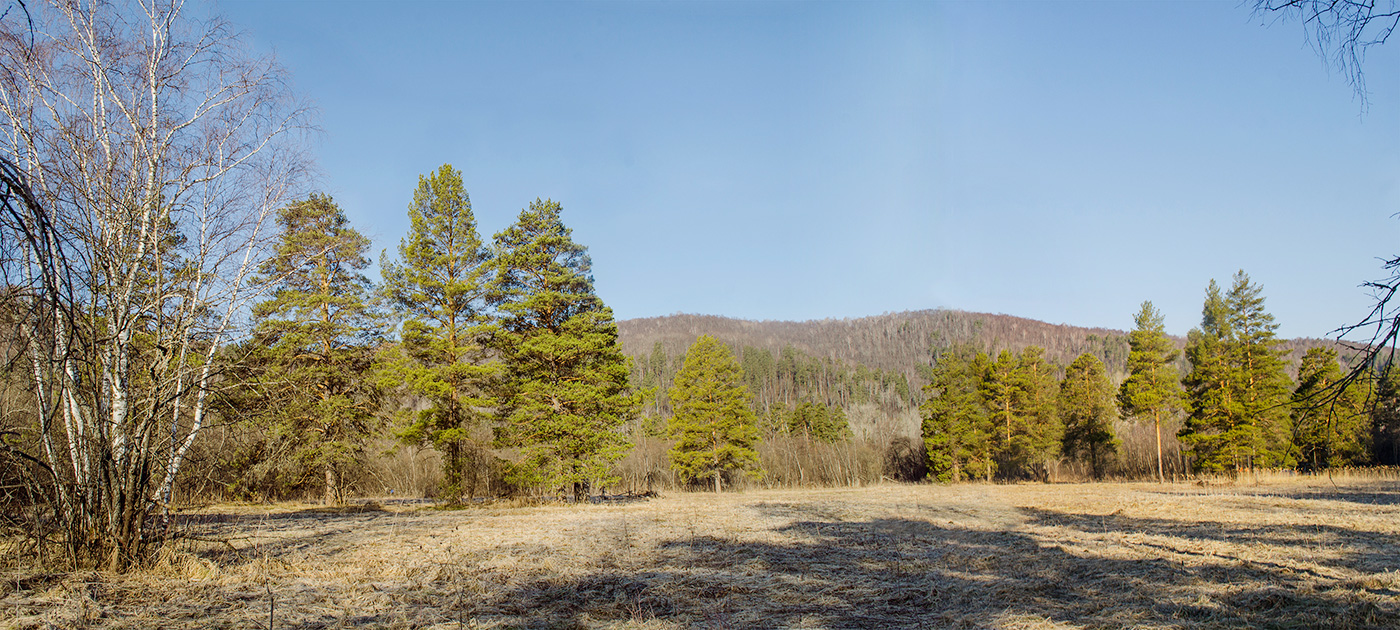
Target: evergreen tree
[
  {"x": 439, "y": 288},
  {"x": 1152, "y": 389},
  {"x": 1385, "y": 417},
  {"x": 315, "y": 338},
  {"x": 1263, "y": 382},
  {"x": 1019, "y": 393},
  {"x": 1210, "y": 428},
  {"x": 819, "y": 422},
  {"x": 1330, "y": 427},
  {"x": 564, "y": 397},
  {"x": 713, "y": 421},
  {"x": 1040, "y": 438},
  {"x": 1086, "y": 408},
  {"x": 651, "y": 372},
  {"x": 1237, "y": 391},
  {"x": 1000, "y": 394},
  {"x": 957, "y": 429}
]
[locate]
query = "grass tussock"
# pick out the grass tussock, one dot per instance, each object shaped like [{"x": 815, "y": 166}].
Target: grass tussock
[{"x": 1294, "y": 552}]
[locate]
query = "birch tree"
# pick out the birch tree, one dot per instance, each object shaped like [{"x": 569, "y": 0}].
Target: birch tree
[{"x": 161, "y": 149}]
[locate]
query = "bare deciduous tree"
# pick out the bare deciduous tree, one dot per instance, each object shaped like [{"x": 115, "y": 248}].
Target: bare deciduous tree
[
  {"x": 1340, "y": 30},
  {"x": 161, "y": 149}
]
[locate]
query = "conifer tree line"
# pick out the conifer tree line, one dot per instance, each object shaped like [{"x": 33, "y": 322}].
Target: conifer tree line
[
  {"x": 792, "y": 392},
  {"x": 506, "y": 362},
  {"x": 1233, "y": 409}
]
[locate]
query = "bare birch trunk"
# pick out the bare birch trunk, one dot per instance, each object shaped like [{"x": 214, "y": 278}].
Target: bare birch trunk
[{"x": 159, "y": 149}]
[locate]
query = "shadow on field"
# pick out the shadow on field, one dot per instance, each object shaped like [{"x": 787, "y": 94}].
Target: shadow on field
[
  {"x": 1335, "y": 547},
  {"x": 276, "y": 533},
  {"x": 1378, "y": 497},
  {"x": 911, "y": 572}
]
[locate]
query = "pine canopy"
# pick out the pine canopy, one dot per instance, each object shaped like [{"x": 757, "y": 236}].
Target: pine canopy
[
  {"x": 439, "y": 289},
  {"x": 713, "y": 423},
  {"x": 564, "y": 396}
]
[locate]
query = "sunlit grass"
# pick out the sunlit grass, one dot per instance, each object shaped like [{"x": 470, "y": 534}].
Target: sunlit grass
[{"x": 1286, "y": 551}]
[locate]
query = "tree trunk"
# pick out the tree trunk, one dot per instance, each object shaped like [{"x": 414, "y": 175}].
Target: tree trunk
[
  {"x": 1157, "y": 424},
  {"x": 452, "y": 479},
  {"x": 716, "y": 482},
  {"x": 332, "y": 487}
]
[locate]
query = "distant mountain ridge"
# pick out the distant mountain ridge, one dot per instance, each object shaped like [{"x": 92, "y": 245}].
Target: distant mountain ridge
[{"x": 899, "y": 342}]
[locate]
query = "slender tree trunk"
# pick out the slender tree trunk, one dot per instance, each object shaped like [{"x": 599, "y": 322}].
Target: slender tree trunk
[
  {"x": 454, "y": 472},
  {"x": 332, "y": 487},
  {"x": 716, "y": 482},
  {"x": 1157, "y": 424}
]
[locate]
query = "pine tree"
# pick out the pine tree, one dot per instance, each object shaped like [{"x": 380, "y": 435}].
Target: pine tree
[
  {"x": 564, "y": 396},
  {"x": 1385, "y": 417},
  {"x": 957, "y": 429},
  {"x": 1042, "y": 431},
  {"x": 315, "y": 339},
  {"x": 713, "y": 421},
  {"x": 1000, "y": 395},
  {"x": 1331, "y": 427},
  {"x": 1209, "y": 387},
  {"x": 819, "y": 422},
  {"x": 1153, "y": 388},
  {"x": 439, "y": 288},
  {"x": 1086, "y": 408},
  {"x": 1237, "y": 390},
  {"x": 1019, "y": 393},
  {"x": 1264, "y": 386}
]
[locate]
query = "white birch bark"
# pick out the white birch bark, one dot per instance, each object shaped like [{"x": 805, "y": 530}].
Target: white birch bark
[{"x": 162, "y": 149}]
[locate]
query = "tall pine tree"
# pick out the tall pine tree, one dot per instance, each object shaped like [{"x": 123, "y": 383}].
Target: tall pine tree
[
  {"x": 957, "y": 429},
  {"x": 1086, "y": 408},
  {"x": 713, "y": 423},
  {"x": 1039, "y": 440},
  {"x": 315, "y": 339},
  {"x": 1000, "y": 394},
  {"x": 1210, "y": 430},
  {"x": 439, "y": 289},
  {"x": 1153, "y": 387},
  {"x": 564, "y": 397},
  {"x": 1237, "y": 391},
  {"x": 1019, "y": 393},
  {"x": 1264, "y": 386}
]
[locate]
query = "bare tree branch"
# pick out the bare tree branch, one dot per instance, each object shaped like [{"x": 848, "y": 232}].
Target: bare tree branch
[{"x": 1341, "y": 31}]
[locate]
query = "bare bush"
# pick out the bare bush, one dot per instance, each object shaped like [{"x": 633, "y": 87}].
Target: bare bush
[{"x": 159, "y": 149}]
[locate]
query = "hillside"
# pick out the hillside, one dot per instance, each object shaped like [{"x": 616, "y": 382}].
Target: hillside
[{"x": 897, "y": 342}]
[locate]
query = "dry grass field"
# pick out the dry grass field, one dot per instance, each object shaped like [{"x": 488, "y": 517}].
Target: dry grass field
[{"x": 1285, "y": 554}]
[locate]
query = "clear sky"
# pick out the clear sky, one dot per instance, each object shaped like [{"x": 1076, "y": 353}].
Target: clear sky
[{"x": 1062, "y": 161}]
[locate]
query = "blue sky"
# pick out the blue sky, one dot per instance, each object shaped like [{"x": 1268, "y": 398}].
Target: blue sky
[{"x": 1062, "y": 161}]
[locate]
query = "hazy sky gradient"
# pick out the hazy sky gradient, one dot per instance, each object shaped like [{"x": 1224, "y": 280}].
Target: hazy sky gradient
[{"x": 1058, "y": 161}]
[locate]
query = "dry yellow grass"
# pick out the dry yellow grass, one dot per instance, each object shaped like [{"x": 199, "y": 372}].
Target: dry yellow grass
[{"x": 1287, "y": 553}]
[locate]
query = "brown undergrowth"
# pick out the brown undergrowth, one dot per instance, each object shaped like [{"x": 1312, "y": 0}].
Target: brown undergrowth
[{"x": 1286, "y": 554}]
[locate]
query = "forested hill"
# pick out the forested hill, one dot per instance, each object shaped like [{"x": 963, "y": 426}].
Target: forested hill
[{"x": 896, "y": 342}]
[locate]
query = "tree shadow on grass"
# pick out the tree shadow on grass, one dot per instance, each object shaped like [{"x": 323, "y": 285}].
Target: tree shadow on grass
[
  {"x": 236, "y": 537},
  {"x": 1362, "y": 493},
  {"x": 1338, "y": 548},
  {"x": 910, "y": 572},
  {"x": 1370, "y": 497}
]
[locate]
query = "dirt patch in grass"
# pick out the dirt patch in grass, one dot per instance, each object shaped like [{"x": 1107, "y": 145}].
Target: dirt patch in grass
[{"x": 1285, "y": 555}]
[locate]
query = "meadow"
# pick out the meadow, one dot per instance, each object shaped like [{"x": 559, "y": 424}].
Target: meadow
[{"x": 1282, "y": 552}]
